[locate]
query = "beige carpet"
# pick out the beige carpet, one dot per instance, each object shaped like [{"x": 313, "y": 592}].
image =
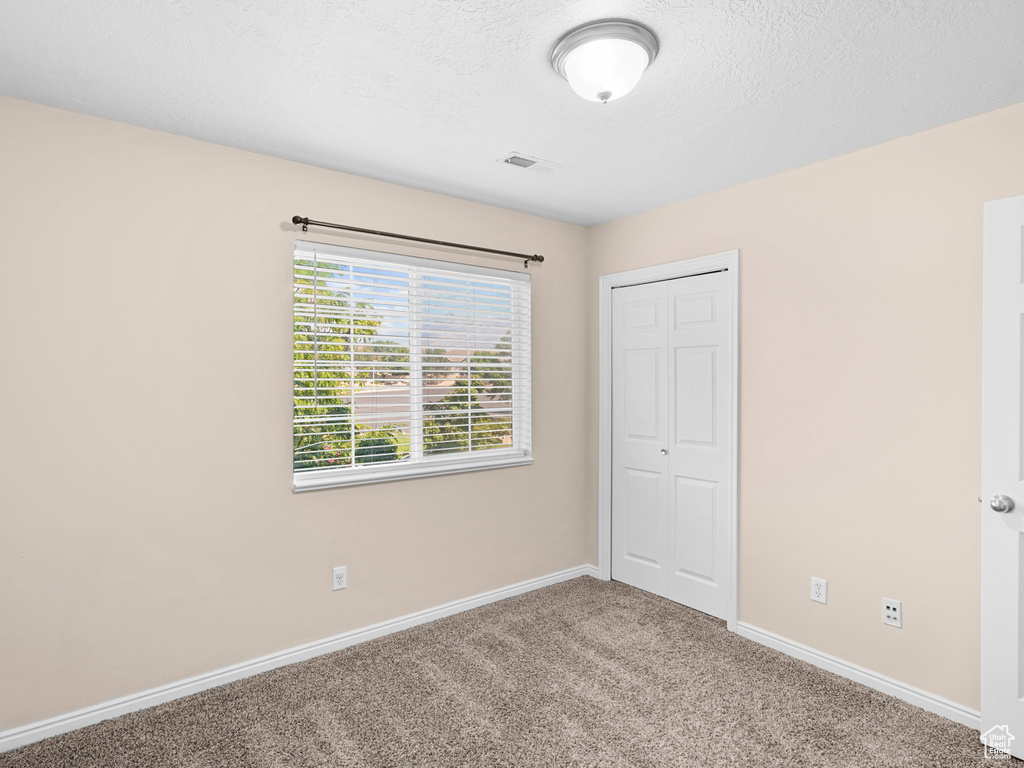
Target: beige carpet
[{"x": 584, "y": 673}]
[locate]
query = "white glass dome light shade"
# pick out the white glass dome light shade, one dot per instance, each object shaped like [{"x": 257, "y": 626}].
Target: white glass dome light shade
[
  {"x": 607, "y": 69},
  {"x": 604, "y": 60}
]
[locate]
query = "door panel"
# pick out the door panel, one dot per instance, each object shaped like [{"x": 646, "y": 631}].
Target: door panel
[
  {"x": 693, "y": 309},
  {"x": 640, "y": 316},
  {"x": 671, "y": 454},
  {"x": 639, "y": 487},
  {"x": 695, "y": 518},
  {"x": 700, "y": 458},
  {"x": 642, "y": 525},
  {"x": 641, "y": 374},
  {"x": 1002, "y": 571},
  {"x": 694, "y": 394}
]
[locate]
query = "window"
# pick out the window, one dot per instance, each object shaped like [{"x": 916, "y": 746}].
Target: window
[{"x": 406, "y": 367}]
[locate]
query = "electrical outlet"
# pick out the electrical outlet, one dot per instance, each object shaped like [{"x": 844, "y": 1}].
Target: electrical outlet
[
  {"x": 819, "y": 590},
  {"x": 892, "y": 612},
  {"x": 340, "y": 579}
]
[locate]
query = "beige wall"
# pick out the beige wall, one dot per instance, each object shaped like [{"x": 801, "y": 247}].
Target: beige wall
[
  {"x": 860, "y": 396},
  {"x": 149, "y": 531}
]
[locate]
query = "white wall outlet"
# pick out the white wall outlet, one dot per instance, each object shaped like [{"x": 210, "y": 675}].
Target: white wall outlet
[
  {"x": 819, "y": 590},
  {"x": 892, "y": 612},
  {"x": 340, "y": 579}
]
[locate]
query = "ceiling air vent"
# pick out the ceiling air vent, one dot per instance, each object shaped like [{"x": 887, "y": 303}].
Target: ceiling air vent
[
  {"x": 519, "y": 161},
  {"x": 534, "y": 164}
]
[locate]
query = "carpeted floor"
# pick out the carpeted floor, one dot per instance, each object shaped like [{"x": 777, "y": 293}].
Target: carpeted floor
[{"x": 584, "y": 673}]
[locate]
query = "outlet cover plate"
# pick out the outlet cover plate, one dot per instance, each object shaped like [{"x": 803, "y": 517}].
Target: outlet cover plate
[
  {"x": 892, "y": 612},
  {"x": 340, "y": 578},
  {"x": 819, "y": 590}
]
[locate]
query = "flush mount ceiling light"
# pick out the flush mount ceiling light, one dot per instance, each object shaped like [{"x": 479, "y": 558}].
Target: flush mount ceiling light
[{"x": 604, "y": 60}]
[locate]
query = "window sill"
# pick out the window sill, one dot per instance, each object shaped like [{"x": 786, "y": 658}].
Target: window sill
[{"x": 311, "y": 482}]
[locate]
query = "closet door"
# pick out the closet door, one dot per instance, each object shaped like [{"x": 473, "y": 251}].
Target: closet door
[
  {"x": 640, "y": 436},
  {"x": 671, "y": 446},
  {"x": 700, "y": 450}
]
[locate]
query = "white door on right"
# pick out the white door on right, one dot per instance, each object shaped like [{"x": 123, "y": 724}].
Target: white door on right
[
  {"x": 672, "y": 448},
  {"x": 1002, "y": 519}
]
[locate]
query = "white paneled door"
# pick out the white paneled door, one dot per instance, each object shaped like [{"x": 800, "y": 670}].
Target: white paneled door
[
  {"x": 1002, "y": 518},
  {"x": 671, "y": 439}
]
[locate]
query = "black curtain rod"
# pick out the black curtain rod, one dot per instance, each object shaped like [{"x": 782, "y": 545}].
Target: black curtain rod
[{"x": 307, "y": 222}]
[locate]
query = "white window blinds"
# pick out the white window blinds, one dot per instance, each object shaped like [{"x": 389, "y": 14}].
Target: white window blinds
[{"x": 406, "y": 366}]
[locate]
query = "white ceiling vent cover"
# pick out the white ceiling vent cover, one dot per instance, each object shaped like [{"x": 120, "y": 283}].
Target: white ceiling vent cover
[
  {"x": 519, "y": 161},
  {"x": 525, "y": 162}
]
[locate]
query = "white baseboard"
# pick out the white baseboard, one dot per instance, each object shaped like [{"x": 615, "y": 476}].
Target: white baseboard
[
  {"x": 910, "y": 694},
  {"x": 44, "y": 729}
]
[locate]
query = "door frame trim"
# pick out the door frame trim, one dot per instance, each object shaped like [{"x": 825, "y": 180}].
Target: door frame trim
[{"x": 729, "y": 261}]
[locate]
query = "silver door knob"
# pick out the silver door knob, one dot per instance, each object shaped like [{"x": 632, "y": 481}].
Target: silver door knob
[
  {"x": 664, "y": 452},
  {"x": 1002, "y": 503}
]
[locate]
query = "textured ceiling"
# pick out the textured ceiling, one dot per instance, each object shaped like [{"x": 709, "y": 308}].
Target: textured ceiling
[{"x": 432, "y": 93}]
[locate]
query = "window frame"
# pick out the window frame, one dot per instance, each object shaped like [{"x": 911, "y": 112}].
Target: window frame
[{"x": 521, "y": 452}]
